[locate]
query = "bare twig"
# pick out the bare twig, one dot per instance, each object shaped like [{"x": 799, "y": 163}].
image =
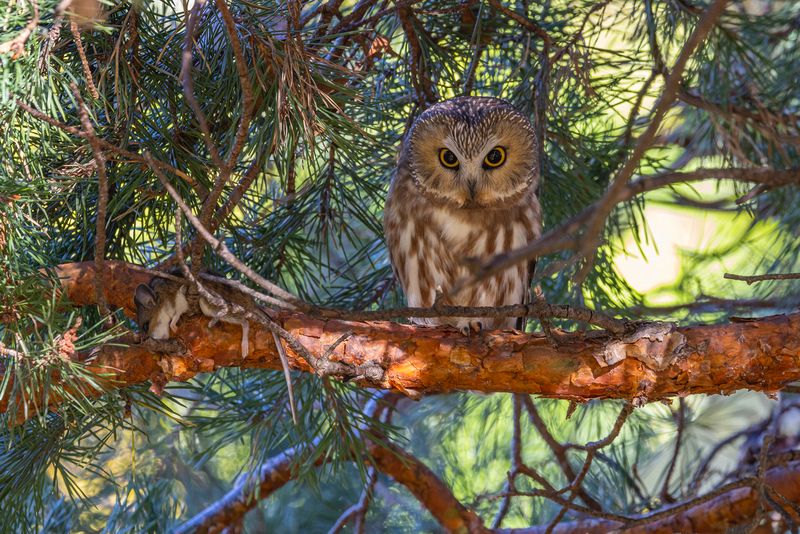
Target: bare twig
[
  {"x": 102, "y": 204},
  {"x": 681, "y": 417},
  {"x": 358, "y": 511},
  {"x": 762, "y": 277},
  {"x": 557, "y": 449},
  {"x": 268, "y": 299},
  {"x": 536, "y": 309},
  {"x": 219, "y": 246},
  {"x": 224, "y": 169},
  {"x": 188, "y": 84},
  {"x": 591, "y": 449},
  {"x": 244, "y": 82},
  {"x": 768, "y": 437},
  {"x": 478, "y": 47},
  {"x": 419, "y": 72},
  {"x": 523, "y": 21},
  {"x": 701, "y": 471},
  {"x": 516, "y": 461},
  {"x": 87, "y": 72}
]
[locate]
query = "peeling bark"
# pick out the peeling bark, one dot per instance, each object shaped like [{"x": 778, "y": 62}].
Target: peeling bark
[{"x": 657, "y": 362}]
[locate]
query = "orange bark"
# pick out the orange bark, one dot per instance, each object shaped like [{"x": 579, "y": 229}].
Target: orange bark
[{"x": 657, "y": 363}]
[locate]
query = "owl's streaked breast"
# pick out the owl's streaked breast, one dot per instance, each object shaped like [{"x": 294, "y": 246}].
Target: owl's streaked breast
[{"x": 430, "y": 244}]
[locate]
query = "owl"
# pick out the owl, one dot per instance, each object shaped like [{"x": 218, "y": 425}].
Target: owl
[{"x": 465, "y": 188}]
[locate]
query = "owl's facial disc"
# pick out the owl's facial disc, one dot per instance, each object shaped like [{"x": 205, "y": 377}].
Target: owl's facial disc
[{"x": 473, "y": 153}]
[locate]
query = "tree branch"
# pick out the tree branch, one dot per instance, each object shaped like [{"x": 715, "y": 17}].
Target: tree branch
[
  {"x": 658, "y": 361},
  {"x": 567, "y": 235},
  {"x": 718, "y": 511},
  {"x": 671, "y": 86}
]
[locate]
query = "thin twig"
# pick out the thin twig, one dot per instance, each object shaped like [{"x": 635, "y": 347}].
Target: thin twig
[
  {"x": 762, "y": 277},
  {"x": 244, "y": 82},
  {"x": 469, "y": 77},
  {"x": 681, "y": 417},
  {"x": 761, "y": 478},
  {"x": 358, "y": 511},
  {"x": 219, "y": 246},
  {"x": 557, "y": 449},
  {"x": 102, "y": 204},
  {"x": 516, "y": 461},
  {"x": 701, "y": 471},
  {"x": 591, "y": 449},
  {"x": 418, "y": 72},
  {"x": 188, "y": 84},
  {"x": 524, "y": 21},
  {"x": 87, "y": 72}
]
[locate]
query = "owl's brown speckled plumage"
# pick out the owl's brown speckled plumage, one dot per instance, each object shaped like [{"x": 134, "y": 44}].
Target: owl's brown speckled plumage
[{"x": 436, "y": 217}]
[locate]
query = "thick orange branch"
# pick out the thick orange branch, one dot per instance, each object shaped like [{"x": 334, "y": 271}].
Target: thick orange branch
[{"x": 656, "y": 363}]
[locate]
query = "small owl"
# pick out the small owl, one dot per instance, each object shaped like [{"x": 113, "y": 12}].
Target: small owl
[{"x": 465, "y": 187}]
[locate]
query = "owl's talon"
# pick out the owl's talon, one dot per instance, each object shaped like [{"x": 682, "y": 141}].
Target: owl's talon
[{"x": 471, "y": 327}]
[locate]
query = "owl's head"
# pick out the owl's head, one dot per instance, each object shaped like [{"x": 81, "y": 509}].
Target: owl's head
[{"x": 472, "y": 152}]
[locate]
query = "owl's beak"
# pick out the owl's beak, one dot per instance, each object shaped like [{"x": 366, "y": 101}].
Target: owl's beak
[{"x": 471, "y": 186}]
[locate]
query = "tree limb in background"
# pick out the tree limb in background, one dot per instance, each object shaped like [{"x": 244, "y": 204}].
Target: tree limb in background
[{"x": 731, "y": 505}]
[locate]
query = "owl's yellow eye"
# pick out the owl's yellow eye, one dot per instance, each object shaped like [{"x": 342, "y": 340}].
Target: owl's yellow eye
[
  {"x": 447, "y": 158},
  {"x": 495, "y": 157}
]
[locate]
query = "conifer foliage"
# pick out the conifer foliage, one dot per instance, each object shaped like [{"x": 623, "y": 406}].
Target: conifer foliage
[{"x": 256, "y": 140}]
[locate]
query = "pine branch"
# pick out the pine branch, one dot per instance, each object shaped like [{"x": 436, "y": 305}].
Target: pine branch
[
  {"x": 567, "y": 235},
  {"x": 729, "y": 505},
  {"x": 656, "y": 362}
]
